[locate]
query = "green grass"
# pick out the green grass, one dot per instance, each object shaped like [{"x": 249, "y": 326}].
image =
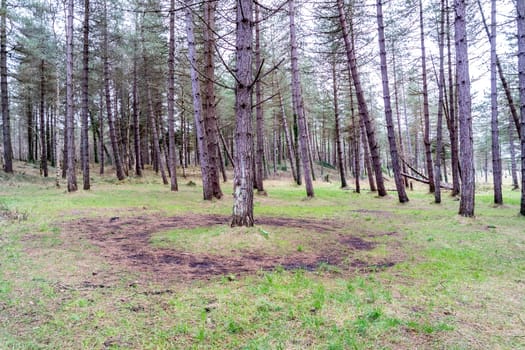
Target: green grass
[{"x": 457, "y": 283}]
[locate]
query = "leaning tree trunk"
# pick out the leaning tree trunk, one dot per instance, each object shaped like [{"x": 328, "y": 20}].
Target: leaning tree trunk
[
  {"x": 521, "y": 70},
  {"x": 243, "y": 173},
  {"x": 298, "y": 103},
  {"x": 441, "y": 82},
  {"x": 512, "y": 147},
  {"x": 172, "y": 160},
  {"x": 197, "y": 106},
  {"x": 4, "y": 92},
  {"x": 340, "y": 162},
  {"x": 400, "y": 186},
  {"x": 70, "y": 121},
  {"x": 361, "y": 101},
  {"x": 467, "y": 200},
  {"x": 426, "y": 112},
  {"x": 84, "y": 137}
]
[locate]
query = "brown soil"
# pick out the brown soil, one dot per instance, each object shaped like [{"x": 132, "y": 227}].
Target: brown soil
[{"x": 125, "y": 242}]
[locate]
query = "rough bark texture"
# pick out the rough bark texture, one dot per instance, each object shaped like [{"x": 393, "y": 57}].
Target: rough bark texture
[
  {"x": 136, "y": 122},
  {"x": 259, "y": 113},
  {"x": 243, "y": 158},
  {"x": 210, "y": 110},
  {"x": 171, "y": 102},
  {"x": 441, "y": 82},
  {"x": 298, "y": 103},
  {"x": 400, "y": 186},
  {"x": 197, "y": 106},
  {"x": 521, "y": 70},
  {"x": 84, "y": 137},
  {"x": 467, "y": 201},
  {"x": 340, "y": 163},
  {"x": 4, "y": 93},
  {"x": 361, "y": 101},
  {"x": 496, "y": 153},
  {"x": 70, "y": 121},
  {"x": 426, "y": 112}
]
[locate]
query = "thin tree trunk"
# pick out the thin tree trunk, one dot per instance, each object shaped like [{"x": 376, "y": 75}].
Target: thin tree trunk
[
  {"x": 243, "y": 175},
  {"x": 400, "y": 186},
  {"x": 513, "y": 165},
  {"x": 366, "y": 155},
  {"x": 441, "y": 82},
  {"x": 43, "y": 142},
  {"x": 521, "y": 69},
  {"x": 84, "y": 137},
  {"x": 340, "y": 163},
  {"x": 70, "y": 121},
  {"x": 398, "y": 116},
  {"x": 197, "y": 106},
  {"x": 452, "y": 120},
  {"x": 172, "y": 160},
  {"x": 467, "y": 201},
  {"x": 287, "y": 136},
  {"x": 426, "y": 112},
  {"x": 357, "y": 144},
  {"x": 136, "y": 122},
  {"x": 101, "y": 134},
  {"x": 4, "y": 92},
  {"x": 363, "y": 110},
  {"x": 298, "y": 103},
  {"x": 259, "y": 152}
]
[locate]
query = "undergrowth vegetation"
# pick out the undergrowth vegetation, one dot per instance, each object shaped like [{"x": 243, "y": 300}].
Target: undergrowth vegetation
[{"x": 452, "y": 282}]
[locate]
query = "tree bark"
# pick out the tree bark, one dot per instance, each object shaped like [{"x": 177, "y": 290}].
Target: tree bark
[
  {"x": 340, "y": 162},
  {"x": 136, "y": 122},
  {"x": 298, "y": 103},
  {"x": 243, "y": 175},
  {"x": 467, "y": 200},
  {"x": 70, "y": 118},
  {"x": 4, "y": 92},
  {"x": 400, "y": 186},
  {"x": 441, "y": 82},
  {"x": 521, "y": 69},
  {"x": 287, "y": 136},
  {"x": 426, "y": 112},
  {"x": 259, "y": 152},
  {"x": 197, "y": 106},
  {"x": 84, "y": 137},
  {"x": 361, "y": 101},
  {"x": 172, "y": 160},
  {"x": 43, "y": 142}
]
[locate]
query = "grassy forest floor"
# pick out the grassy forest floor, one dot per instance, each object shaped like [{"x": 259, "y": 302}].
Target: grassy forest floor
[{"x": 129, "y": 265}]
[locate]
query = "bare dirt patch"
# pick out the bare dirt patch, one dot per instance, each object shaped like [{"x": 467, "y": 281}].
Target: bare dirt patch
[{"x": 125, "y": 241}]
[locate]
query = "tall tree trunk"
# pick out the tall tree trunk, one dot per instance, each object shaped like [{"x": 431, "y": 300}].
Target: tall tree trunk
[
  {"x": 197, "y": 107},
  {"x": 452, "y": 120},
  {"x": 136, "y": 121},
  {"x": 210, "y": 111},
  {"x": 441, "y": 82},
  {"x": 298, "y": 103},
  {"x": 287, "y": 136},
  {"x": 361, "y": 102},
  {"x": 340, "y": 162},
  {"x": 259, "y": 152},
  {"x": 356, "y": 127},
  {"x": 521, "y": 69},
  {"x": 4, "y": 92},
  {"x": 496, "y": 153},
  {"x": 111, "y": 123},
  {"x": 84, "y": 137},
  {"x": 172, "y": 160},
  {"x": 400, "y": 186},
  {"x": 366, "y": 156},
  {"x": 426, "y": 112},
  {"x": 467, "y": 201},
  {"x": 513, "y": 165},
  {"x": 101, "y": 134},
  {"x": 243, "y": 175},
  {"x": 43, "y": 142},
  {"x": 70, "y": 118}
]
